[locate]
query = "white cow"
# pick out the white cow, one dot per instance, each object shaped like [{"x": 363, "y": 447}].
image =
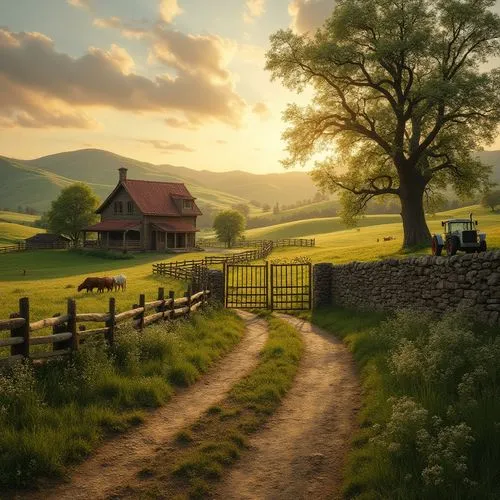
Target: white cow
[{"x": 120, "y": 282}]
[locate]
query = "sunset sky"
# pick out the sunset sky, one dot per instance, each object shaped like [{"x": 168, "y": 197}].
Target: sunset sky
[{"x": 166, "y": 81}]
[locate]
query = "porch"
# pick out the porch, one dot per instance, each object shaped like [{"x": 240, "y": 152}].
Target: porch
[
  {"x": 115, "y": 235},
  {"x": 170, "y": 237}
]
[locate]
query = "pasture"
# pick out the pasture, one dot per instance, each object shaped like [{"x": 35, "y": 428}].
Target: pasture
[{"x": 11, "y": 233}]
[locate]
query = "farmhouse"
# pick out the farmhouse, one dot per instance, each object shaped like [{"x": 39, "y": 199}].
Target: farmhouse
[{"x": 146, "y": 215}]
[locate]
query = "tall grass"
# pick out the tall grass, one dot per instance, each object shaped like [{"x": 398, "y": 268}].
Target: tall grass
[
  {"x": 429, "y": 426},
  {"x": 54, "y": 414}
]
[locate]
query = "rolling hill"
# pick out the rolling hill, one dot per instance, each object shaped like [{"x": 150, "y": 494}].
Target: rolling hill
[{"x": 37, "y": 182}]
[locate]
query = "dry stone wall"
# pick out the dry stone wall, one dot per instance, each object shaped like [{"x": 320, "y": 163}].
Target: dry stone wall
[{"x": 438, "y": 284}]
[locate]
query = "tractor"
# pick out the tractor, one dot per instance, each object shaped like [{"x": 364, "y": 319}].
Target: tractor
[{"x": 459, "y": 234}]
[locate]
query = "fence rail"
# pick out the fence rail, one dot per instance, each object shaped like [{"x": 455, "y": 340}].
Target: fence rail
[
  {"x": 22, "y": 247},
  {"x": 285, "y": 242},
  {"x": 66, "y": 335},
  {"x": 190, "y": 270}
]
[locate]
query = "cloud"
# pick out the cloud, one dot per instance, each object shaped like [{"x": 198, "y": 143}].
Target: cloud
[
  {"x": 169, "y": 10},
  {"x": 253, "y": 9},
  {"x": 262, "y": 110},
  {"x": 192, "y": 124},
  {"x": 81, "y": 4},
  {"x": 309, "y": 15},
  {"x": 221, "y": 141},
  {"x": 205, "y": 55},
  {"x": 202, "y": 88},
  {"x": 166, "y": 146},
  {"x": 128, "y": 30}
]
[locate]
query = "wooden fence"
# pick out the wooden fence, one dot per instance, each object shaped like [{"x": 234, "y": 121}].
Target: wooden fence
[
  {"x": 67, "y": 334},
  {"x": 286, "y": 242},
  {"x": 189, "y": 270},
  {"x": 22, "y": 246}
]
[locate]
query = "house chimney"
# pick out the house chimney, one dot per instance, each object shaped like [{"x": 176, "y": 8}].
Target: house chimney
[{"x": 123, "y": 174}]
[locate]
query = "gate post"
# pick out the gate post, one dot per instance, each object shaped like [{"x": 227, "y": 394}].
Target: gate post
[
  {"x": 322, "y": 285},
  {"x": 216, "y": 286}
]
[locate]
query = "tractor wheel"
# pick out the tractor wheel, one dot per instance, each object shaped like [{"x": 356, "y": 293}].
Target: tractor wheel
[
  {"x": 436, "y": 247},
  {"x": 482, "y": 246},
  {"x": 452, "y": 246}
]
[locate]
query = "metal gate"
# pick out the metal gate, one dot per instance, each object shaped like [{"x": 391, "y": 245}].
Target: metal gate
[
  {"x": 247, "y": 286},
  {"x": 284, "y": 287},
  {"x": 291, "y": 287}
]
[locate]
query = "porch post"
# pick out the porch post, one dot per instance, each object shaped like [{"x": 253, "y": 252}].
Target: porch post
[
  {"x": 175, "y": 240},
  {"x": 107, "y": 240},
  {"x": 124, "y": 240}
]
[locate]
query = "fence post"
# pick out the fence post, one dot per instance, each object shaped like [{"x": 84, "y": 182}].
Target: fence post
[
  {"x": 22, "y": 331},
  {"x": 188, "y": 296},
  {"x": 110, "y": 336},
  {"x": 171, "y": 307},
  {"x": 75, "y": 334},
  {"x": 161, "y": 296},
  {"x": 142, "y": 303}
]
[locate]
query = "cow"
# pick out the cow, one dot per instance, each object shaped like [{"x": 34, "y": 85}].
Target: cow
[
  {"x": 120, "y": 282},
  {"x": 89, "y": 284},
  {"x": 100, "y": 283}
]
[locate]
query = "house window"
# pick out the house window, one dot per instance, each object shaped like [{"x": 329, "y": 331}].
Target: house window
[
  {"x": 187, "y": 204},
  {"x": 118, "y": 207},
  {"x": 130, "y": 207}
]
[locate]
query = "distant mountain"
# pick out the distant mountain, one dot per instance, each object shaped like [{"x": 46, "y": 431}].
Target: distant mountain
[{"x": 37, "y": 182}]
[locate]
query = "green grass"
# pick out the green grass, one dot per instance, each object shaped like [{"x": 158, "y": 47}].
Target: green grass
[
  {"x": 11, "y": 233},
  {"x": 18, "y": 218},
  {"x": 203, "y": 451},
  {"x": 53, "y": 415},
  {"x": 431, "y": 400}
]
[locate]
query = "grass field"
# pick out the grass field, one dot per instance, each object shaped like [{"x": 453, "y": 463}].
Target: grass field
[
  {"x": 52, "y": 276},
  {"x": 18, "y": 218},
  {"x": 11, "y": 233}
]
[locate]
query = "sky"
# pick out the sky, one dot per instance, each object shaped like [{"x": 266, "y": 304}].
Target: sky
[{"x": 178, "y": 82}]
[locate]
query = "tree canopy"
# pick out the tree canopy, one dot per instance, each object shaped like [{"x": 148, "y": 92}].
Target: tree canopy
[
  {"x": 72, "y": 211},
  {"x": 229, "y": 225},
  {"x": 402, "y": 101},
  {"x": 491, "y": 199}
]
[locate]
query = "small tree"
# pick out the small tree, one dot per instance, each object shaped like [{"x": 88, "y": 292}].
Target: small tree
[
  {"x": 229, "y": 225},
  {"x": 266, "y": 207},
  {"x": 491, "y": 199},
  {"x": 72, "y": 211},
  {"x": 243, "y": 209}
]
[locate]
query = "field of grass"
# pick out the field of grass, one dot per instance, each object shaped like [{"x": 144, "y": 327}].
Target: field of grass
[
  {"x": 53, "y": 276},
  {"x": 189, "y": 467},
  {"x": 11, "y": 233},
  {"x": 18, "y": 218},
  {"x": 431, "y": 400},
  {"x": 53, "y": 415}
]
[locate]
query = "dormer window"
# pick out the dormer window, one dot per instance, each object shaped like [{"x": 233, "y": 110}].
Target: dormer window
[
  {"x": 130, "y": 207},
  {"x": 187, "y": 205},
  {"x": 118, "y": 207}
]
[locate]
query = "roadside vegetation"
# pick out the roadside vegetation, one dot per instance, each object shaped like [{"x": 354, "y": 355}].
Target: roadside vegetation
[
  {"x": 429, "y": 422},
  {"x": 191, "y": 466},
  {"x": 53, "y": 415}
]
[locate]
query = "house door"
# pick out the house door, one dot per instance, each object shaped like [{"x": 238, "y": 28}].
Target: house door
[{"x": 153, "y": 240}]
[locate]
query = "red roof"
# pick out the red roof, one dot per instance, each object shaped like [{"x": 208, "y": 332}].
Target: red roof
[
  {"x": 155, "y": 198},
  {"x": 115, "y": 225},
  {"x": 177, "y": 227}
]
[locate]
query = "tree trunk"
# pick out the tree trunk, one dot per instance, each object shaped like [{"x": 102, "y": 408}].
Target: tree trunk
[{"x": 416, "y": 232}]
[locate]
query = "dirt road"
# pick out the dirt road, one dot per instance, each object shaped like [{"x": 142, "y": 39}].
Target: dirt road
[
  {"x": 301, "y": 452},
  {"x": 117, "y": 462}
]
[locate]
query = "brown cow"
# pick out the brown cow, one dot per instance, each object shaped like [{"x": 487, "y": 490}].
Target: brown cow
[
  {"x": 99, "y": 283},
  {"x": 89, "y": 284}
]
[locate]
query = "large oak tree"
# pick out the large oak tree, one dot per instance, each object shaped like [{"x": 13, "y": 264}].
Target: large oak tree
[{"x": 402, "y": 100}]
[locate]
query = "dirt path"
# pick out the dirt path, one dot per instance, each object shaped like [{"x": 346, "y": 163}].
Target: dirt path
[
  {"x": 301, "y": 452},
  {"x": 118, "y": 461}
]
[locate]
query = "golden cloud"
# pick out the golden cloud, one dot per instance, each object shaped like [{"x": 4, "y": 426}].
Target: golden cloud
[
  {"x": 254, "y": 9},
  {"x": 309, "y": 15},
  {"x": 202, "y": 88}
]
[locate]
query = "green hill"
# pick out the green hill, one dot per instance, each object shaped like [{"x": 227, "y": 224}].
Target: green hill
[{"x": 11, "y": 233}]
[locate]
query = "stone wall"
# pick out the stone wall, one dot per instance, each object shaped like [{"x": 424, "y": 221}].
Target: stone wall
[{"x": 438, "y": 284}]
